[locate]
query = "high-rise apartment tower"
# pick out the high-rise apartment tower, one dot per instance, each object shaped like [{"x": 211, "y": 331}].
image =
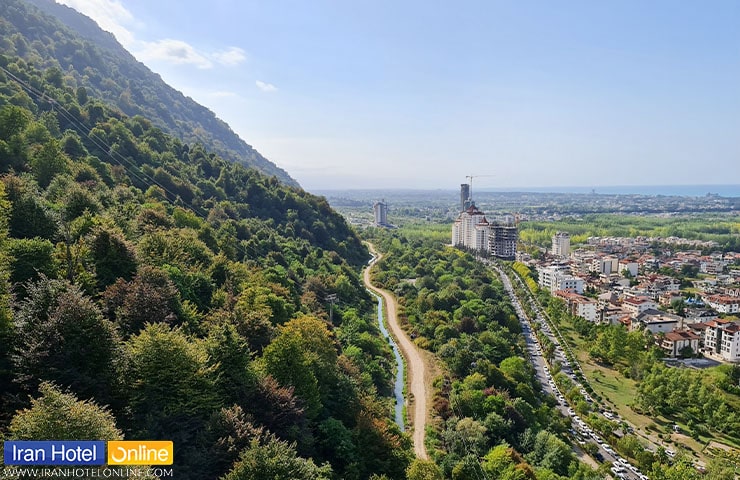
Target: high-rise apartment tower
[
  {"x": 561, "y": 244},
  {"x": 381, "y": 213}
]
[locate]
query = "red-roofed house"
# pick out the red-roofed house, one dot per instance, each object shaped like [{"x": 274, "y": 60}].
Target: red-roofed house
[
  {"x": 579, "y": 305},
  {"x": 675, "y": 341},
  {"x": 723, "y": 303}
]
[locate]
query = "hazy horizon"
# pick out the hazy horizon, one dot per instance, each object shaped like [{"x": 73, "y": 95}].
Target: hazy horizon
[{"x": 725, "y": 190}]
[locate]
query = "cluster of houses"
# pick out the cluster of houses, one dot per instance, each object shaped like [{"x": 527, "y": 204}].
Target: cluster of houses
[{"x": 627, "y": 281}]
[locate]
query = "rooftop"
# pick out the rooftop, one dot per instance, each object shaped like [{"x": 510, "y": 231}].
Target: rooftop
[{"x": 678, "y": 335}]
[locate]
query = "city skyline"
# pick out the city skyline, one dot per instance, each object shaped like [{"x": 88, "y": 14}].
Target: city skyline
[{"x": 388, "y": 95}]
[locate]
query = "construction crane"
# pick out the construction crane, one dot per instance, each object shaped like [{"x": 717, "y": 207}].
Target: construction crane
[{"x": 470, "y": 177}]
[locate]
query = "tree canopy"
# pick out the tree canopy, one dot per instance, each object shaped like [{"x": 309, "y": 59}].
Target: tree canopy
[{"x": 183, "y": 291}]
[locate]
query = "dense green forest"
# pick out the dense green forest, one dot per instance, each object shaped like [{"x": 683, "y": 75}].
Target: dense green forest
[
  {"x": 723, "y": 229},
  {"x": 491, "y": 419},
  {"x": 48, "y": 35},
  {"x": 151, "y": 290}
]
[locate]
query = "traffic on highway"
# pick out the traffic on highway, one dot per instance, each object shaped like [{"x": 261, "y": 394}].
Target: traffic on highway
[{"x": 581, "y": 432}]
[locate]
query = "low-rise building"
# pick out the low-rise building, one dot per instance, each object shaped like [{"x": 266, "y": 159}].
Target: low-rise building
[
  {"x": 579, "y": 305},
  {"x": 723, "y": 303},
  {"x": 699, "y": 315},
  {"x": 636, "y": 305},
  {"x": 675, "y": 341},
  {"x": 630, "y": 266},
  {"x": 659, "y": 284},
  {"x": 699, "y": 329},
  {"x": 667, "y": 298},
  {"x": 555, "y": 277},
  {"x": 722, "y": 340},
  {"x": 713, "y": 264},
  {"x": 613, "y": 315},
  {"x": 656, "y": 321}
]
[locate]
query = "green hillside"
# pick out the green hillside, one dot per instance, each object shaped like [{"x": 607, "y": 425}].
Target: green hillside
[
  {"x": 47, "y": 35},
  {"x": 150, "y": 289}
]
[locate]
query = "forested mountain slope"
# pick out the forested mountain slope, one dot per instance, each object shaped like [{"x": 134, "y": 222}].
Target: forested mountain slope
[
  {"x": 150, "y": 289},
  {"x": 48, "y": 35}
]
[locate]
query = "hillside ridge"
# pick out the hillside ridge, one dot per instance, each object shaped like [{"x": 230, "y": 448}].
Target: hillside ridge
[{"x": 55, "y": 35}]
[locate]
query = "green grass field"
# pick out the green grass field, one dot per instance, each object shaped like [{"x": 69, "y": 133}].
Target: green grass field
[{"x": 618, "y": 394}]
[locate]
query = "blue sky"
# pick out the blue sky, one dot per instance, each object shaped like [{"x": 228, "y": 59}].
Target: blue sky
[{"x": 419, "y": 94}]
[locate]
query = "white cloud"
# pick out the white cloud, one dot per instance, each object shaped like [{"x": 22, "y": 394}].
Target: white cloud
[
  {"x": 110, "y": 15},
  {"x": 265, "y": 87},
  {"x": 230, "y": 57},
  {"x": 113, "y": 17},
  {"x": 172, "y": 51}
]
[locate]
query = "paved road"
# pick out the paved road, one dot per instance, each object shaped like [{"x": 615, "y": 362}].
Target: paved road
[
  {"x": 622, "y": 469},
  {"x": 417, "y": 369}
]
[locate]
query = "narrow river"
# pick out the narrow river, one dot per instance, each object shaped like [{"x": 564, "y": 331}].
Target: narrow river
[
  {"x": 415, "y": 370},
  {"x": 399, "y": 383}
]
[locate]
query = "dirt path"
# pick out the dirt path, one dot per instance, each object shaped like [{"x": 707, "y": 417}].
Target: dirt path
[{"x": 418, "y": 378}]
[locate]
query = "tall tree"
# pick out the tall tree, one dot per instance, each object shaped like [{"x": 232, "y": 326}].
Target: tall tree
[
  {"x": 63, "y": 337},
  {"x": 148, "y": 298},
  {"x": 424, "y": 470},
  {"x": 273, "y": 459},
  {"x": 171, "y": 390},
  {"x": 235, "y": 381},
  {"x": 113, "y": 257},
  {"x": 304, "y": 356},
  {"x": 48, "y": 162},
  {"x": 61, "y": 416}
]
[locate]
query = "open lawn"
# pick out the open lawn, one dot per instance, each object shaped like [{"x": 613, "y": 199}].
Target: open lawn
[{"x": 618, "y": 394}]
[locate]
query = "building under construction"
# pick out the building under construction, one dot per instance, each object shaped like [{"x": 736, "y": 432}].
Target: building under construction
[
  {"x": 503, "y": 240},
  {"x": 465, "y": 200},
  {"x": 473, "y": 231}
]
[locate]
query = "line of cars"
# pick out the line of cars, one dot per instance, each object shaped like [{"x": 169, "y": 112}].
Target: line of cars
[{"x": 620, "y": 468}]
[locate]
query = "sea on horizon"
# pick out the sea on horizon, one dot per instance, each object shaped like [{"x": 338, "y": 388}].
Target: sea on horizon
[{"x": 665, "y": 190}]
